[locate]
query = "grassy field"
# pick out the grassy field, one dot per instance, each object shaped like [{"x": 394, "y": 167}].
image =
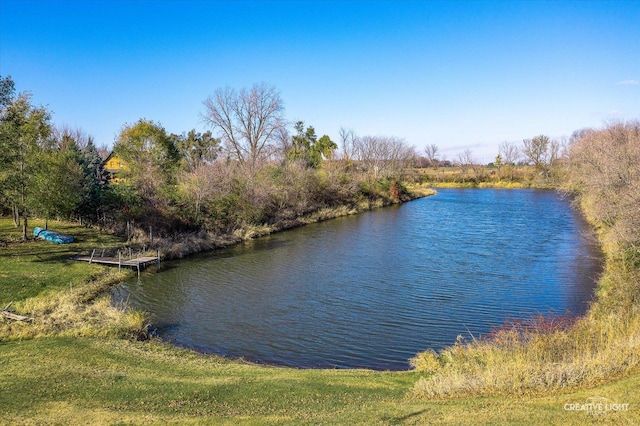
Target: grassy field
[
  {"x": 511, "y": 177},
  {"x": 29, "y": 269},
  {"x": 110, "y": 381},
  {"x": 78, "y": 362}
]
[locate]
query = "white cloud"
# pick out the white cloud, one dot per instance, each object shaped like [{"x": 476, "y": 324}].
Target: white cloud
[{"x": 627, "y": 83}]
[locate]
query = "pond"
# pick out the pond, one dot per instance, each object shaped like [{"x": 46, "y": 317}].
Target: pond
[{"x": 373, "y": 290}]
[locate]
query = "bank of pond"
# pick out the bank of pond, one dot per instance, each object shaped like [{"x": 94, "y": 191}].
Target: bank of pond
[{"x": 374, "y": 289}]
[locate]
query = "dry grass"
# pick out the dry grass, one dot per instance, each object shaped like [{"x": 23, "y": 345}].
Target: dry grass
[{"x": 85, "y": 310}]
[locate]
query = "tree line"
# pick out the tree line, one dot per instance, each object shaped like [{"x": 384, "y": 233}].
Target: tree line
[
  {"x": 249, "y": 169},
  {"x": 254, "y": 167},
  {"x": 538, "y": 160}
]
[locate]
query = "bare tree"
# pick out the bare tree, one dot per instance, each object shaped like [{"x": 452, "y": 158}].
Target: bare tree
[
  {"x": 249, "y": 121},
  {"x": 63, "y": 134},
  {"x": 510, "y": 153},
  {"x": 282, "y": 145},
  {"x": 348, "y": 141},
  {"x": 465, "y": 160},
  {"x": 383, "y": 155},
  {"x": 604, "y": 167},
  {"x": 431, "y": 152},
  {"x": 542, "y": 152}
]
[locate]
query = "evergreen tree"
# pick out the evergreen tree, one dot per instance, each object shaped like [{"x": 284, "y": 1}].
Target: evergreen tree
[
  {"x": 306, "y": 146},
  {"x": 93, "y": 183}
]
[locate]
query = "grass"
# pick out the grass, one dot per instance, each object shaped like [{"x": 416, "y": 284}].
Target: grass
[
  {"x": 501, "y": 184},
  {"x": 79, "y": 362},
  {"x": 106, "y": 381},
  {"x": 510, "y": 177},
  {"x": 63, "y": 297},
  {"x": 35, "y": 267}
]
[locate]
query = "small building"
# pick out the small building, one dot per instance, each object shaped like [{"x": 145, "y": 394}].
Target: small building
[{"x": 114, "y": 165}]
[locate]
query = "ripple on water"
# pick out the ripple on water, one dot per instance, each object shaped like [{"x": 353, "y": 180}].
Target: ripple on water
[{"x": 373, "y": 290}]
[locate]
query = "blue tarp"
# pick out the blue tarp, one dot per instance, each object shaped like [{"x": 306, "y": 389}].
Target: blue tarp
[{"x": 54, "y": 237}]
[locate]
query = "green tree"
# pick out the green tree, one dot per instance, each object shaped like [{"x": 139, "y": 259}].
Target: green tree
[
  {"x": 7, "y": 91},
  {"x": 498, "y": 163},
  {"x": 24, "y": 135},
  {"x": 325, "y": 147},
  {"x": 152, "y": 157},
  {"x": 306, "y": 146},
  {"x": 197, "y": 148},
  {"x": 152, "y": 162},
  {"x": 78, "y": 159},
  {"x": 93, "y": 182},
  {"x": 7, "y": 97},
  {"x": 57, "y": 183}
]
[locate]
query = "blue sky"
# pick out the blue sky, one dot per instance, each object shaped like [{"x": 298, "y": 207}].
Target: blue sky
[{"x": 458, "y": 74}]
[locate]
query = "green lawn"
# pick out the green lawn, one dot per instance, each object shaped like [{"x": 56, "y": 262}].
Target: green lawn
[
  {"x": 80, "y": 381},
  {"x": 28, "y": 269},
  {"x": 107, "y": 380}
]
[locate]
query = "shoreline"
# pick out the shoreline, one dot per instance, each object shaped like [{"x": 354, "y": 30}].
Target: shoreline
[{"x": 194, "y": 243}]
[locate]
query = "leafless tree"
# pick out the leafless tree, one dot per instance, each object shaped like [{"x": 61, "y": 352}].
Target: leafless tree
[
  {"x": 198, "y": 184},
  {"x": 249, "y": 121},
  {"x": 383, "y": 155},
  {"x": 465, "y": 160},
  {"x": 605, "y": 166},
  {"x": 283, "y": 143},
  {"x": 347, "y": 141},
  {"x": 542, "y": 152},
  {"x": 64, "y": 134},
  {"x": 431, "y": 152},
  {"x": 510, "y": 153}
]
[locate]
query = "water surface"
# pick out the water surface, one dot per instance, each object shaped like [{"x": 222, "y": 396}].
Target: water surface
[{"x": 373, "y": 290}]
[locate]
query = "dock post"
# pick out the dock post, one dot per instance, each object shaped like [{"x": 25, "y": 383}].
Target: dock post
[{"x": 92, "y": 253}]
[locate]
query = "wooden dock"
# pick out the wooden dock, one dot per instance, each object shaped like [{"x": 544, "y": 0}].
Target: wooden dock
[{"x": 138, "y": 262}]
